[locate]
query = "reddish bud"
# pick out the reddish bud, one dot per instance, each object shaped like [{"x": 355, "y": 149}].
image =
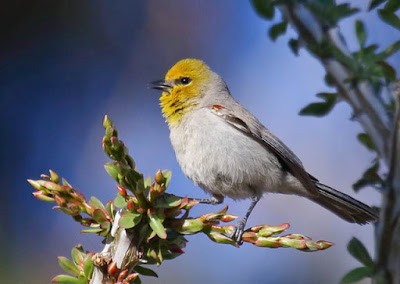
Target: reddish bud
[
  {"x": 89, "y": 208},
  {"x": 112, "y": 268},
  {"x": 41, "y": 195},
  {"x": 131, "y": 277},
  {"x": 121, "y": 190},
  {"x": 60, "y": 200},
  {"x": 129, "y": 205},
  {"x": 122, "y": 275},
  {"x": 174, "y": 248}
]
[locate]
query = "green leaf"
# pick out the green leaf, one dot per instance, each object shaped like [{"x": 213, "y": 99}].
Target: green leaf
[
  {"x": 77, "y": 254},
  {"x": 330, "y": 14},
  {"x": 120, "y": 201},
  {"x": 392, "y": 5},
  {"x": 366, "y": 140},
  {"x": 66, "y": 279},
  {"x": 392, "y": 49},
  {"x": 277, "y": 30},
  {"x": 357, "y": 274},
  {"x": 96, "y": 203},
  {"x": 88, "y": 267},
  {"x": 94, "y": 230},
  {"x": 390, "y": 18},
  {"x": 129, "y": 219},
  {"x": 167, "y": 175},
  {"x": 156, "y": 224},
  {"x": 264, "y": 8},
  {"x": 68, "y": 265},
  {"x": 359, "y": 252},
  {"x": 137, "y": 280},
  {"x": 320, "y": 109},
  {"x": 147, "y": 182},
  {"x": 99, "y": 216},
  {"x": 145, "y": 271},
  {"x": 374, "y": 3},
  {"x": 111, "y": 169},
  {"x": 168, "y": 201},
  {"x": 294, "y": 45},
  {"x": 388, "y": 71},
  {"x": 370, "y": 177},
  {"x": 360, "y": 32}
]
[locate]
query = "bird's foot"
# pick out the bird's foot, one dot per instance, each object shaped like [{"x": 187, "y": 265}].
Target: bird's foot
[{"x": 239, "y": 231}]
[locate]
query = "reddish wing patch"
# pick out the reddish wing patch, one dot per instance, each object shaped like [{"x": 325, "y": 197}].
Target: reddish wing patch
[{"x": 217, "y": 107}]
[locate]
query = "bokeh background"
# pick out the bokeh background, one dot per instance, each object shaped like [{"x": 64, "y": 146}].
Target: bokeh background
[{"x": 64, "y": 64}]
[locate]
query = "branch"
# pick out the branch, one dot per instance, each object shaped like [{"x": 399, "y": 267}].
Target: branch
[
  {"x": 150, "y": 225},
  {"x": 368, "y": 109}
]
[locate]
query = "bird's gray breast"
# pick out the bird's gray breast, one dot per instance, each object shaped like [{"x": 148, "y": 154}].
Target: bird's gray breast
[{"x": 221, "y": 159}]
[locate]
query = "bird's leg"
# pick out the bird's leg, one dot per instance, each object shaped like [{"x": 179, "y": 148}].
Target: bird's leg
[
  {"x": 239, "y": 228},
  {"x": 214, "y": 200}
]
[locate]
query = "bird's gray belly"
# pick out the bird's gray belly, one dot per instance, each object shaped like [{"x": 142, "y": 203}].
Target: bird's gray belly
[{"x": 222, "y": 160}]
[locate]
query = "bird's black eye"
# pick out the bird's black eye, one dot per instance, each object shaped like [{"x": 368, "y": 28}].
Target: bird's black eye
[{"x": 185, "y": 80}]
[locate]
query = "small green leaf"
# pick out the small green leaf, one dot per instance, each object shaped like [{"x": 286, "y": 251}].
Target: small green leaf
[
  {"x": 360, "y": 32},
  {"x": 359, "y": 252},
  {"x": 68, "y": 265},
  {"x": 393, "y": 48},
  {"x": 96, "y": 203},
  {"x": 357, "y": 274},
  {"x": 388, "y": 71},
  {"x": 137, "y": 280},
  {"x": 390, "y": 18},
  {"x": 77, "y": 254},
  {"x": 167, "y": 175},
  {"x": 99, "y": 216},
  {"x": 277, "y": 30},
  {"x": 294, "y": 45},
  {"x": 88, "y": 267},
  {"x": 66, "y": 279},
  {"x": 120, "y": 201},
  {"x": 168, "y": 201},
  {"x": 129, "y": 219},
  {"x": 264, "y": 8},
  {"x": 320, "y": 109},
  {"x": 366, "y": 140},
  {"x": 145, "y": 271},
  {"x": 374, "y": 3},
  {"x": 370, "y": 177},
  {"x": 147, "y": 182},
  {"x": 392, "y": 5},
  {"x": 94, "y": 230},
  {"x": 156, "y": 224},
  {"x": 112, "y": 170}
]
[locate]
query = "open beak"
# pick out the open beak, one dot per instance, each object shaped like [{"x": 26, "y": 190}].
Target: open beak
[{"x": 160, "y": 85}]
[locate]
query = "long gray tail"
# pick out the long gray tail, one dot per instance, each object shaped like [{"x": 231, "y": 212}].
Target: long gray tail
[{"x": 343, "y": 205}]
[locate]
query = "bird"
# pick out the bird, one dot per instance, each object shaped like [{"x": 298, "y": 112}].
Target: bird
[{"x": 228, "y": 152}]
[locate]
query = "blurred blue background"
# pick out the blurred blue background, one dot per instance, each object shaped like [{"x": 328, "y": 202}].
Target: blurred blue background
[{"x": 65, "y": 64}]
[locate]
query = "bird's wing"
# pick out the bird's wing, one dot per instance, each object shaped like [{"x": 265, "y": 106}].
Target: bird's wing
[{"x": 285, "y": 156}]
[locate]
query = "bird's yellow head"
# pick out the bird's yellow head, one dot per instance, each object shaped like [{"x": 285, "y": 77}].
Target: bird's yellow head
[{"x": 184, "y": 83}]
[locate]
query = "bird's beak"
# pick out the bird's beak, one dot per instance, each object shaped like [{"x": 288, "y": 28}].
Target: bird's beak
[{"x": 161, "y": 85}]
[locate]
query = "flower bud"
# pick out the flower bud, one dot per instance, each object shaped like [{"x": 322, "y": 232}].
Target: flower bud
[
  {"x": 54, "y": 176},
  {"x": 121, "y": 190},
  {"x": 159, "y": 178},
  {"x": 41, "y": 195},
  {"x": 112, "y": 268},
  {"x": 107, "y": 122}
]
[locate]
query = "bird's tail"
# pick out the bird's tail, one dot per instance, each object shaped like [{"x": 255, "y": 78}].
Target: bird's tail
[{"x": 343, "y": 205}]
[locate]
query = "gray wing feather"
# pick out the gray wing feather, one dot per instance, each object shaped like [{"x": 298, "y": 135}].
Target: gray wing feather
[{"x": 262, "y": 135}]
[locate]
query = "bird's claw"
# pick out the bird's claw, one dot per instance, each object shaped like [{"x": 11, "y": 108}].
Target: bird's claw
[{"x": 239, "y": 231}]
